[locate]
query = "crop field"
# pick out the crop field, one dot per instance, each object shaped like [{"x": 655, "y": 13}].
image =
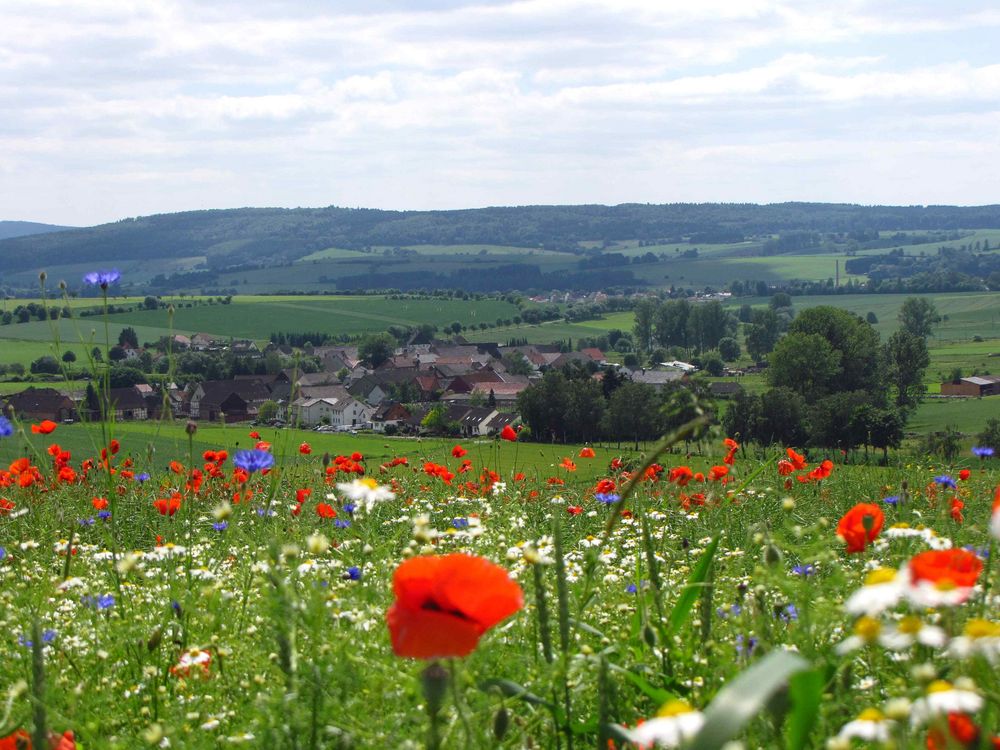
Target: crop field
[
  {"x": 246, "y": 589},
  {"x": 256, "y": 317}
]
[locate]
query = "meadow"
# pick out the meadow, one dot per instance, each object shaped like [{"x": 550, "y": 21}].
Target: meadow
[{"x": 173, "y": 591}]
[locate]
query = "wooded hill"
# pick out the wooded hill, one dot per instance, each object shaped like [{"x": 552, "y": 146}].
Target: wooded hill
[{"x": 265, "y": 236}]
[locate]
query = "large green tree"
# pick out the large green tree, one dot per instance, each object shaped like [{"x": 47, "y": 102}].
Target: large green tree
[
  {"x": 376, "y": 348},
  {"x": 805, "y": 363},
  {"x": 907, "y": 359},
  {"x": 853, "y": 338},
  {"x": 918, "y": 315}
]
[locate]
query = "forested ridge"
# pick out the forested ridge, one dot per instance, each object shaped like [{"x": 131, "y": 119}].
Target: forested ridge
[{"x": 243, "y": 236}]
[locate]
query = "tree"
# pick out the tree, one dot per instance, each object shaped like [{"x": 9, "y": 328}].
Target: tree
[
  {"x": 123, "y": 376},
  {"x": 854, "y": 339},
  {"x": 671, "y": 323},
  {"x": 707, "y": 324},
  {"x": 97, "y": 354},
  {"x": 543, "y": 406},
  {"x": 838, "y": 420},
  {"x": 517, "y": 364},
  {"x": 918, "y": 315},
  {"x": 645, "y": 311},
  {"x": 117, "y": 354},
  {"x": 780, "y": 300},
  {"x": 376, "y": 348},
  {"x": 907, "y": 358},
  {"x": 45, "y": 365},
  {"x": 632, "y": 413},
  {"x": 128, "y": 336},
  {"x": 990, "y": 436},
  {"x": 872, "y": 318},
  {"x": 69, "y": 356},
  {"x": 742, "y": 417},
  {"x": 267, "y": 411},
  {"x": 151, "y": 303},
  {"x": 762, "y": 333},
  {"x": 804, "y": 363},
  {"x": 946, "y": 443},
  {"x": 782, "y": 418},
  {"x": 729, "y": 349},
  {"x": 712, "y": 364}
]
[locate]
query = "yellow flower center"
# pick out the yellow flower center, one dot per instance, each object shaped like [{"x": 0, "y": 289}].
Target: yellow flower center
[
  {"x": 871, "y": 714},
  {"x": 945, "y": 585},
  {"x": 674, "y": 708},
  {"x": 911, "y": 625},
  {"x": 939, "y": 686},
  {"x": 867, "y": 628},
  {"x": 976, "y": 628},
  {"x": 880, "y": 575},
  {"x": 369, "y": 483},
  {"x": 901, "y": 526}
]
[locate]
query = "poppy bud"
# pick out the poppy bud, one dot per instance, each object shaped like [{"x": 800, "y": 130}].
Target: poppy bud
[
  {"x": 772, "y": 555},
  {"x": 500, "y": 723},
  {"x": 154, "y": 640},
  {"x": 649, "y": 636},
  {"x": 191, "y": 427}
]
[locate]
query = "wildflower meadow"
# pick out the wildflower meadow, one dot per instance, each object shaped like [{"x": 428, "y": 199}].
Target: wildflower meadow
[{"x": 448, "y": 598}]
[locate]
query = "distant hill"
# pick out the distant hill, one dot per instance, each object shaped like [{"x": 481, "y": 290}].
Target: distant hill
[
  {"x": 9, "y": 229},
  {"x": 265, "y": 236}
]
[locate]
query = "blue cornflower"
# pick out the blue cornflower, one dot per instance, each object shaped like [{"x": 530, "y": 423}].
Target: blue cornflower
[
  {"x": 144, "y": 477},
  {"x": 804, "y": 570},
  {"x": 221, "y": 525},
  {"x": 788, "y": 613},
  {"x": 266, "y": 512},
  {"x": 107, "y": 601},
  {"x": 945, "y": 481},
  {"x": 460, "y": 523},
  {"x": 341, "y": 523},
  {"x": 349, "y": 508},
  {"x": 606, "y": 497},
  {"x": 3, "y": 553},
  {"x": 983, "y": 451},
  {"x": 891, "y": 500},
  {"x": 353, "y": 573},
  {"x": 104, "y": 515},
  {"x": 6, "y": 428},
  {"x": 47, "y": 637},
  {"x": 102, "y": 279},
  {"x": 747, "y": 649},
  {"x": 254, "y": 460},
  {"x": 86, "y": 521},
  {"x": 983, "y": 553},
  {"x": 631, "y": 588}
]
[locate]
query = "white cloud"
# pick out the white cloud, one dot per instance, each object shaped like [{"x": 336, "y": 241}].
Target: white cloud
[{"x": 139, "y": 106}]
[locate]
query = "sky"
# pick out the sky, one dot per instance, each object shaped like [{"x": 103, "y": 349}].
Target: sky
[{"x": 118, "y": 108}]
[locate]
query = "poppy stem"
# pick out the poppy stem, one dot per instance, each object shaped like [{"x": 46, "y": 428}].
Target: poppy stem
[{"x": 434, "y": 680}]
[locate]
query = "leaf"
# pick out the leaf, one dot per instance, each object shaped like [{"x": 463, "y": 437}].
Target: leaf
[
  {"x": 744, "y": 697},
  {"x": 684, "y": 603},
  {"x": 805, "y": 690},
  {"x": 658, "y": 695},
  {"x": 513, "y": 690}
]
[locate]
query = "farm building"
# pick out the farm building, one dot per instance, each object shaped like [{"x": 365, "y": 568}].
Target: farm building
[{"x": 976, "y": 385}]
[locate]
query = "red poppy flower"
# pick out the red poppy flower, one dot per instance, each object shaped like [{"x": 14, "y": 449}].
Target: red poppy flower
[
  {"x": 177, "y": 467},
  {"x": 44, "y": 428},
  {"x": 574, "y": 510},
  {"x": 718, "y": 472},
  {"x": 6, "y": 506},
  {"x": 587, "y": 452},
  {"x": 263, "y": 445},
  {"x": 305, "y": 449},
  {"x": 785, "y": 468},
  {"x": 508, "y": 433},
  {"x": 616, "y": 464},
  {"x": 16, "y": 740},
  {"x": 167, "y": 506},
  {"x": 860, "y": 525},
  {"x": 681, "y": 475},
  {"x": 99, "y": 503},
  {"x": 568, "y": 464},
  {"x": 519, "y": 477},
  {"x": 798, "y": 461},
  {"x": 946, "y": 568},
  {"x": 445, "y": 604},
  {"x": 604, "y": 487},
  {"x": 357, "y": 456},
  {"x": 458, "y": 451},
  {"x": 325, "y": 510},
  {"x": 956, "y": 510},
  {"x": 964, "y": 474},
  {"x": 255, "y": 435}
]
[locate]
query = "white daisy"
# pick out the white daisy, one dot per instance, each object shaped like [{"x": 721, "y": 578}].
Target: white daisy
[
  {"x": 367, "y": 492},
  {"x": 883, "y": 589},
  {"x": 978, "y": 637},
  {"x": 871, "y": 726},
  {"x": 910, "y": 630},
  {"x": 674, "y": 724},
  {"x": 944, "y": 698}
]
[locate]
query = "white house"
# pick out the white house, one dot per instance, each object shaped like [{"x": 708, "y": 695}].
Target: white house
[{"x": 334, "y": 411}]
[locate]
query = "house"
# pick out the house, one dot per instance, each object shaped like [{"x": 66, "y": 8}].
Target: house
[
  {"x": 237, "y": 400},
  {"x": 202, "y": 342},
  {"x": 37, "y": 404},
  {"x": 676, "y": 364},
  {"x": 975, "y": 385},
  {"x": 132, "y": 403},
  {"x": 334, "y": 411},
  {"x": 389, "y": 413},
  {"x": 724, "y": 388},
  {"x": 656, "y": 378}
]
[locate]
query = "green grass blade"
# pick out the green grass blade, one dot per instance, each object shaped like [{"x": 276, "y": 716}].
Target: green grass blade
[
  {"x": 684, "y": 603},
  {"x": 805, "y": 690},
  {"x": 744, "y": 697}
]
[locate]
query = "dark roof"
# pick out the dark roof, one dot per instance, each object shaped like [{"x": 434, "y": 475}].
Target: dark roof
[{"x": 39, "y": 399}]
